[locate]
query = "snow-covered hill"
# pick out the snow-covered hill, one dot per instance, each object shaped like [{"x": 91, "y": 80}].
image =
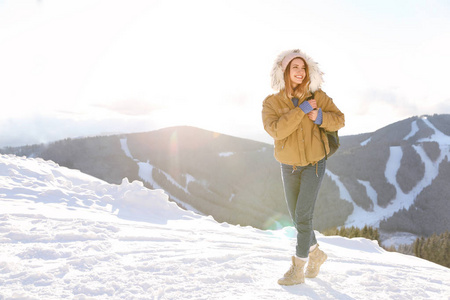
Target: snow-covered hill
[
  {"x": 67, "y": 235},
  {"x": 403, "y": 199},
  {"x": 396, "y": 178}
]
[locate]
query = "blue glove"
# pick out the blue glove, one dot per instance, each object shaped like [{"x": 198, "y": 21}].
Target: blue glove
[
  {"x": 306, "y": 107},
  {"x": 319, "y": 118}
]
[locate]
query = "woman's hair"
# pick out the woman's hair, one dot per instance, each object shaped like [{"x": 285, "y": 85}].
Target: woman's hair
[{"x": 302, "y": 89}]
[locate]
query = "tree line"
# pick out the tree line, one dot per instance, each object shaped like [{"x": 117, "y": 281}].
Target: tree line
[
  {"x": 435, "y": 248},
  {"x": 367, "y": 232}
]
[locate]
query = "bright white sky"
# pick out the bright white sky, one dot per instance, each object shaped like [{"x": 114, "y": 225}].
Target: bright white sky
[{"x": 90, "y": 67}]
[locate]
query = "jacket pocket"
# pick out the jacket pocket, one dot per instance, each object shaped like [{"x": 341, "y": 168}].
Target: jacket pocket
[{"x": 279, "y": 144}]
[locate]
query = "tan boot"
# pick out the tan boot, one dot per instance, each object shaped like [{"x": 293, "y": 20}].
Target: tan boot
[
  {"x": 295, "y": 275},
  {"x": 316, "y": 258}
]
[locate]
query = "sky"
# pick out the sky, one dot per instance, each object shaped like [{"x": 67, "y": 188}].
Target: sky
[{"x": 92, "y": 67}]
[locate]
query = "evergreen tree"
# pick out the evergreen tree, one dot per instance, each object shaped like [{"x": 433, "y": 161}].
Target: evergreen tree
[
  {"x": 367, "y": 232},
  {"x": 436, "y": 248}
]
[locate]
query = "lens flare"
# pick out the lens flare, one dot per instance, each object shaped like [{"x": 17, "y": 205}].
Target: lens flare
[{"x": 277, "y": 221}]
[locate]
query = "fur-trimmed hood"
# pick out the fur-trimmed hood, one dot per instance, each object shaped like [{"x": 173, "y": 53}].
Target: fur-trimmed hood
[{"x": 277, "y": 73}]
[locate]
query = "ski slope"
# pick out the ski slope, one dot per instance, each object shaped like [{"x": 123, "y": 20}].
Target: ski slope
[
  {"x": 361, "y": 217},
  {"x": 67, "y": 235}
]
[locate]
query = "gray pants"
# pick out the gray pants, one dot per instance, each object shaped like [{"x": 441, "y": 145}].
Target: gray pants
[{"x": 301, "y": 187}]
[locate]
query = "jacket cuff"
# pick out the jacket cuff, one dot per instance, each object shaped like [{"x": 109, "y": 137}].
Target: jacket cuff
[
  {"x": 319, "y": 118},
  {"x": 306, "y": 107}
]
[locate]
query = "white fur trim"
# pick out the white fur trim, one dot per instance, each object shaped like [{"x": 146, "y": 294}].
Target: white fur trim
[{"x": 277, "y": 73}]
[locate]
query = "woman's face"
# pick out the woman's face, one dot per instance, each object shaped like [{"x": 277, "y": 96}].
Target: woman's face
[{"x": 297, "y": 72}]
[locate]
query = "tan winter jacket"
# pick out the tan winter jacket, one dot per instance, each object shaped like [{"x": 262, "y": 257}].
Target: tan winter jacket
[{"x": 298, "y": 141}]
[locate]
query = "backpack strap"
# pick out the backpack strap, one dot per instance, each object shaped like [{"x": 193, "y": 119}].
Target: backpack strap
[{"x": 323, "y": 133}]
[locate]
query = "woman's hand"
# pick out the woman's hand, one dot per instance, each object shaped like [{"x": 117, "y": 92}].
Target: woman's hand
[
  {"x": 313, "y": 114},
  {"x": 313, "y": 103}
]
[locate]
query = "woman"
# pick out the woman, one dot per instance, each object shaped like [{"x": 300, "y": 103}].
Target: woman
[{"x": 294, "y": 117}]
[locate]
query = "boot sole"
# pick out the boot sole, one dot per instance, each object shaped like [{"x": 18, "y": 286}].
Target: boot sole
[{"x": 289, "y": 284}]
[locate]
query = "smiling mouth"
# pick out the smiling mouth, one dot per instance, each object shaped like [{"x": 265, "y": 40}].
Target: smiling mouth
[{"x": 299, "y": 77}]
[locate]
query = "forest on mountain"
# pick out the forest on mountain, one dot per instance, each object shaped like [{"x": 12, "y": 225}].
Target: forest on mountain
[{"x": 435, "y": 248}]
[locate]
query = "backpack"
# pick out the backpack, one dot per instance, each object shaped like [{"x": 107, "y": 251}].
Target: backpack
[
  {"x": 333, "y": 142},
  {"x": 333, "y": 138}
]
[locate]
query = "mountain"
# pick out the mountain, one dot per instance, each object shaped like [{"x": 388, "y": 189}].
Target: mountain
[
  {"x": 395, "y": 178},
  {"x": 68, "y": 235},
  {"x": 234, "y": 180}
]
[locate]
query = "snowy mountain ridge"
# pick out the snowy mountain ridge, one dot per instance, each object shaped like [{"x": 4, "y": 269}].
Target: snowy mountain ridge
[
  {"x": 361, "y": 217},
  {"x": 395, "y": 178},
  {"x": 375, "y": 210},
  {"x": 65, "y": 234}
]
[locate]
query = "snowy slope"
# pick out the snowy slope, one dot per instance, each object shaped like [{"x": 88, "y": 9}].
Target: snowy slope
[
  {"x": 360, "y": 216},
  {"x": 66, "y": 235},
  {"x": 146, "y": 174},
  {"x": 393, "y": 179}
]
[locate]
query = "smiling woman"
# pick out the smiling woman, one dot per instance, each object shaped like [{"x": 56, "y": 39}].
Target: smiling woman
[
  {"x": 298, "y": 72},
  {"x": 295, "y": 117}
]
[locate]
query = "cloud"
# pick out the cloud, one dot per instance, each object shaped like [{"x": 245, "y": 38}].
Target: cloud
[
  {"x": 130, "y": 107},
  {"x": 387, "y": 101},
  {"x": 442, "y": 107},
  {"x": 45, "y": 128}
]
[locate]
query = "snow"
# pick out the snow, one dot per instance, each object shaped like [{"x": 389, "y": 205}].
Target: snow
[
  {"x": 124, "y": 146},
  {"x": 231, "y": 197},
  {"x": 371, "y": 192},
  {"x": 226, "y": 154},
  {"x": 398, "y": 238},
  {"x": 344, "y": 194},
  {"x": 438, "y": 136},
  {"x": 366, "y": 142},
  {"x": 360, "y": 216},
  {"x": 414, "y": 130},
  {"x": 146, "y": 174},
  {"x": 67, "y": 235}
]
